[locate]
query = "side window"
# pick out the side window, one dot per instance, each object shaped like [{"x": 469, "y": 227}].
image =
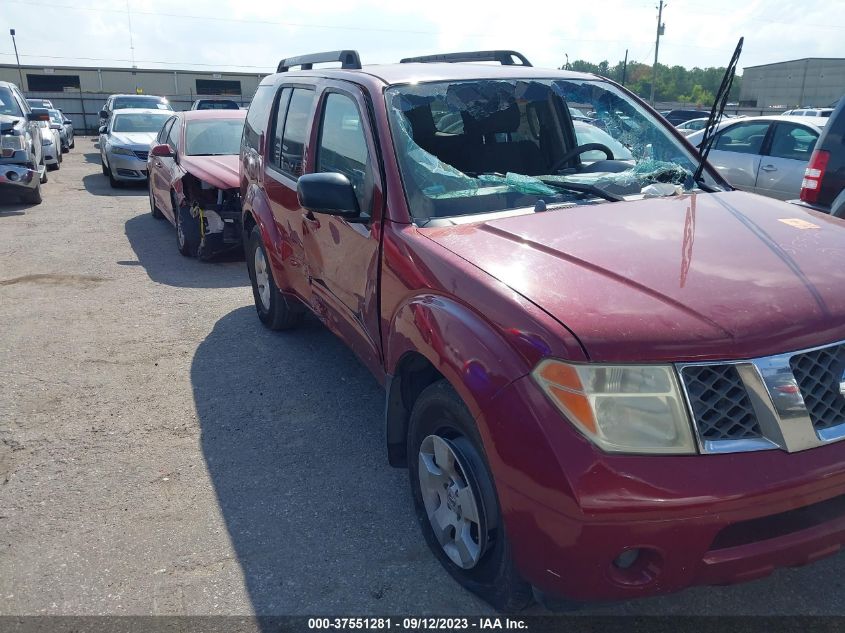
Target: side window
[
  {"x": 743, "y": 138},
  {"x": 259, "y": 112},
  {"x": 793, "y": 141},
  {"x": 279, "y": 127},
  {"x": 343, "y": 147},
  {"x": 173, "y": 134},
  {"x": 165, "y": 130},
  {"x": 295, "y": 130}
]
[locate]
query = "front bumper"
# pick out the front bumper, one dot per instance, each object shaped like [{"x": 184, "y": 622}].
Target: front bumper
[
  {"x": 17, "y": 179},
  {"x": 127, "y": 168},
  {"x": 51, "y": 154},
  {"x": 571, "y": 510}
]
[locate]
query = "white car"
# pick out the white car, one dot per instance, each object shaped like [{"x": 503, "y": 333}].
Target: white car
[
  {"x": 125, "y": 142},
  {"x": 693, "y": 125},
  {"x": 822, "y": 112},
  {"x": 51, "y": 145},
  {"x": 764, "y": 154}
]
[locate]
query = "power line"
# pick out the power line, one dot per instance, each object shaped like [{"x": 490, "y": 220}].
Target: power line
[{"x": 142, "y": 61}]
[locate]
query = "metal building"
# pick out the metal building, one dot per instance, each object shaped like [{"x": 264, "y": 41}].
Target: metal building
[
  {"x": 81, "y": 91},
  {"x": 130, "y": 80},
  {"x": 810, "y": 82}
]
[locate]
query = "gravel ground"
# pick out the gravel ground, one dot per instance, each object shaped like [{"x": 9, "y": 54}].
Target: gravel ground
[{"x": 162, "y": 453}]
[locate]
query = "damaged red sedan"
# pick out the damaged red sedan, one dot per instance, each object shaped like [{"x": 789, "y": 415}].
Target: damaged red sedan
[{"x": 193, "y": 167}]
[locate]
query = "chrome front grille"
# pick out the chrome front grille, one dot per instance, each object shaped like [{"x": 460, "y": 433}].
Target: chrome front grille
[
  {"x": 720, "y": 403},
  {"x": 819, "y": 375},
  {"x": 793, "y": 401}
]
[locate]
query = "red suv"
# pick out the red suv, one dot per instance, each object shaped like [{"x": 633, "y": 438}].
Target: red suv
[{"x": 607, "y": 377}]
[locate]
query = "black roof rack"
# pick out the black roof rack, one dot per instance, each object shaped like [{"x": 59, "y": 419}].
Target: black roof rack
[
  {"x": 506, "y": 58},
  {"x": 349, "y": 60}
]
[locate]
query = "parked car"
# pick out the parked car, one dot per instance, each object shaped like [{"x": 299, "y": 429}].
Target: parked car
[
  {"x": 40, "y": 103},
  {"x": 822, "y": 112},
  {"x": 576, "y": 375},
  {"x": 122, "y": 102},
  {"x": 57, "y": 123},
  {"x": 68, "y": 125},
  {"x": 693, "y": 125},
  {"x": 51, "y": 145},
  {"x": 215, "y": 104},
  {"x": 676, "y": 117},
  {"x": 125, "y": 143},
  {"x": 823, "y": 187},
  {"x": 764, "y": 154},
  {"x": 22, "y": 168},
  {"x": 193, "y": 181}
]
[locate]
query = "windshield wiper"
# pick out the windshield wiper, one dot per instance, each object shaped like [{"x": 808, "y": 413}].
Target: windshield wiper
[
  {"x": 583, "y": 187},
  {"x": 715, "y": 116}
]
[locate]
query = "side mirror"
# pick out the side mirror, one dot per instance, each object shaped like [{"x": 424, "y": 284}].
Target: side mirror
[
  {"x": 39, "y": 114},
  {"x": 104, "y": 114},
  {"x": 328, "y": 193},
  {"x": 162, "y": 151},
  {"x": 103, "y": 129}
]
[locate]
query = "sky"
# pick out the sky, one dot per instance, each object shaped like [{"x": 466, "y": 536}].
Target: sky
[{"x": 252, "y": 36}]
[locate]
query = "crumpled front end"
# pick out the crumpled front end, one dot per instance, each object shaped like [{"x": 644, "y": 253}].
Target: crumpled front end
[{"x": 217, "y": 217}]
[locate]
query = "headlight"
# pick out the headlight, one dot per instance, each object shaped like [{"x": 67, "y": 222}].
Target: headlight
[
  {"x": 621, "y": 408},
  {"x": 123, "y": 151}
]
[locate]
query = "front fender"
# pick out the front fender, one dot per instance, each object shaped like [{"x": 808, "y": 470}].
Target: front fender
[{"x": 461, "y": 345}]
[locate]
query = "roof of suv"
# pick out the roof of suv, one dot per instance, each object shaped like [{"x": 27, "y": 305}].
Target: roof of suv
[{"x": 424, "y": 72}]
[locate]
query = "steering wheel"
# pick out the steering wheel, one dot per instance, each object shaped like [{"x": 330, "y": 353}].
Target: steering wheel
[{"x": 577, "y": 151}]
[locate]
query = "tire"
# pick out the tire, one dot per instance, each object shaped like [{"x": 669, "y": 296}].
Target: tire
[
  {"x": 103, "y": 166},
  {"x": 154, "y": 210},
  {"x": 54, "y": 167},
  {"x": 442, "y": 425},
  {"x": 185, "y": 246},
  {"x": 275, "y": 310},
  {"x": 32, "y": 197},
  {"x": 115, "y": 184}
]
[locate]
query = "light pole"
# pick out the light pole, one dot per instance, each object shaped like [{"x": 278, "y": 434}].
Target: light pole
[
  {"x": 20, "y": 73},
  {"x": 660, "y": 29}
]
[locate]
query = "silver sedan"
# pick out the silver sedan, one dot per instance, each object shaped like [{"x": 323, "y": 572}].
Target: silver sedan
[
  {"x": 125, "y": 142},
  {"x": 764, "y": 154}
]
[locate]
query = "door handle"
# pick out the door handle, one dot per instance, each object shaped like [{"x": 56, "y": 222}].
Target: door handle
[
  {"x": 769, "y": 168},
  {"x": 158, "y": 163},
  {"x": 313, "y": 221}
]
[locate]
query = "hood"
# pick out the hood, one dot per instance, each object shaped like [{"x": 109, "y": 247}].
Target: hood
[
  {"x": 220, "y": 171},
  {"x": 699, "y": 277},
  {"x": 135, "y": 140}
]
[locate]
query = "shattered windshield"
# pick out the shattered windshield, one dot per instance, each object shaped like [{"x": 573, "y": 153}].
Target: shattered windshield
[{"x": 468, "y": 147}]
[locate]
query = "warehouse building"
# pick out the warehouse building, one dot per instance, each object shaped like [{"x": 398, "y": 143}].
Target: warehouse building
[
  {"x": 130, "y": 80},
  {"x": 80, "y": 91},
  {"x": 810, "y": 82}
]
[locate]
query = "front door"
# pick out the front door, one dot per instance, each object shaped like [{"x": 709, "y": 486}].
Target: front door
[
  {"x": 342, "y": 256},
  {"x": 159, "y": 176}
]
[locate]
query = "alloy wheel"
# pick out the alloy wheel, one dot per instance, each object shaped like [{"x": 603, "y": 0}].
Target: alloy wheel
[{"x": 450, "y": 502}]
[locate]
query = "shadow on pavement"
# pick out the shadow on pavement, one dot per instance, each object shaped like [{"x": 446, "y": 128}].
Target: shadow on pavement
[
  {"x": 291, "y": 431},
  {"x": 98, "y": 185},
  {"x": 154, "y": 243}
]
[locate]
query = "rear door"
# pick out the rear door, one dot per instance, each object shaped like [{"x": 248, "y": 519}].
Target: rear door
[
  {"x": 287, "y": 146},
  {"x": 736, "y": 153},
  {"x": 342, "y": 256},
  {"x": 786, "y": 157}
]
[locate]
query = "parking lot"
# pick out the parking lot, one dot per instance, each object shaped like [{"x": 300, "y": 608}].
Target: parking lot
[{"x": 163, "y": 453}]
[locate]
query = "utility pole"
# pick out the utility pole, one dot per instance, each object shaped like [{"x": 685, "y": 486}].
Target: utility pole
[
  {"x": 660, "y": 29},
  {"x": 20, "y": 73},
  {"x": 625, "y": 67}
]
